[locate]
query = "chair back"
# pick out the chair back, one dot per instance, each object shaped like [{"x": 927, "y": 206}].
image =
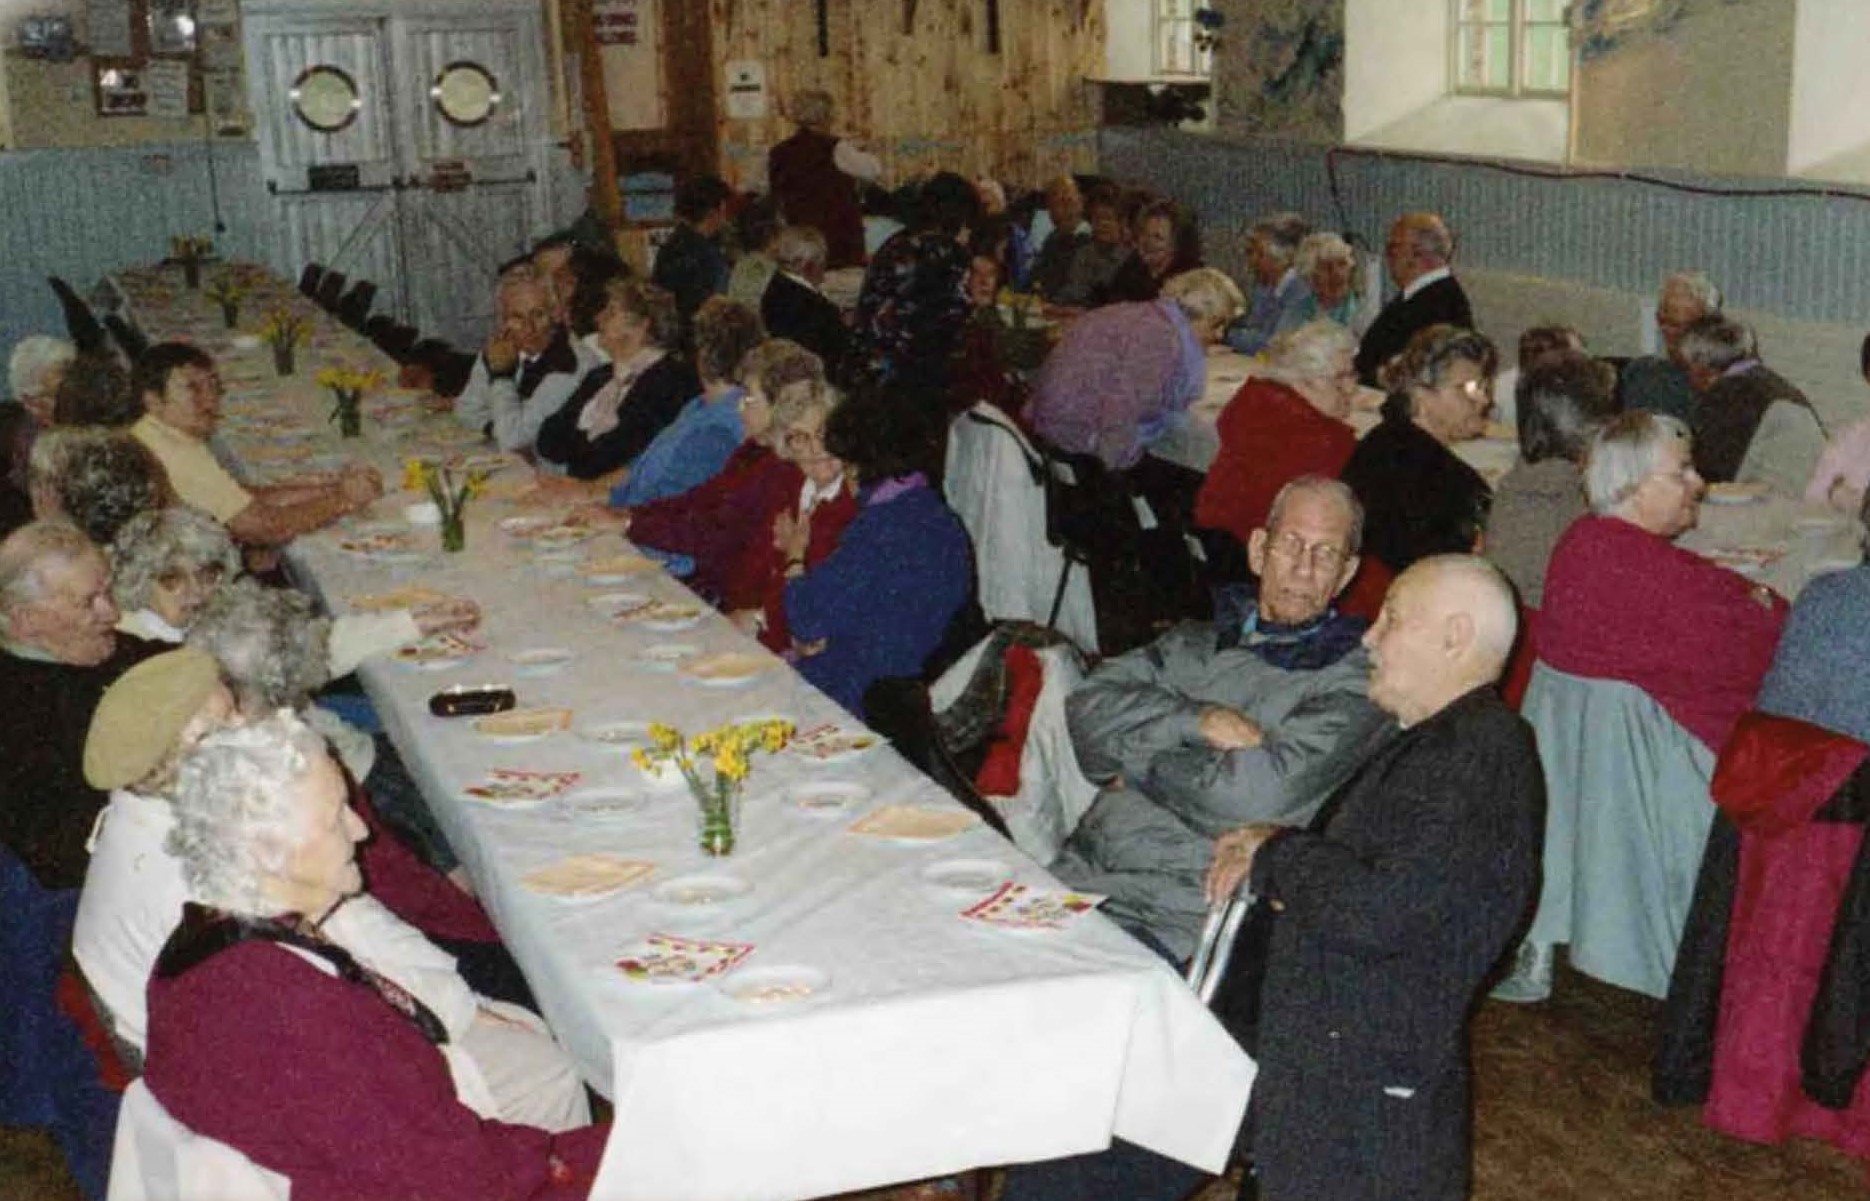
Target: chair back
[
  {"x": 156, "y": 1158},
  {"x": 310, "y": 278},
  {"x": 897, "y": 707},
  {"x": 354, "y": 309},
  {"x": 1627, "y": 818},
  {"x": 81, "y": 324},
  {"x": 331, "y": 290},
  {"x": 129, "y": 338}
]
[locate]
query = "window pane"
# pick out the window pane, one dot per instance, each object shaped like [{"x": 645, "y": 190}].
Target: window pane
[
  {"x": 1485, "y": 58},
  {"x": 1546, "y": 10},
  {"x": 1484, "y": 10},
  {"x": 1548, "y": 59}
]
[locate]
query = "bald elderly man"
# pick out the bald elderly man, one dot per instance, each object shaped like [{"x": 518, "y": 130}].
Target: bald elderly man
[
  {"x": 1391, "y": 912},
  {"x": 1420, "y": 258},
  {"x": 530, "y": 366}
]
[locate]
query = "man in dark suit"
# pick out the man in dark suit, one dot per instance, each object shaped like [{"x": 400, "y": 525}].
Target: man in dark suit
[
  {"x": 793, "y": 307},
  {"x": 1391, "y": 914},
  {"x": 691, "y": 265},
  {"x": 1418, "y": 255}
]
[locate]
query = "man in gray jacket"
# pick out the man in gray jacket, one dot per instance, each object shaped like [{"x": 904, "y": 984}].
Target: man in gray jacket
[{"x": 1256, "y": 717}]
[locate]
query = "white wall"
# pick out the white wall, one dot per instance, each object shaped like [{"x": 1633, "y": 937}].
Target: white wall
[
  {"x": 1395, "y": 61},
  {"x": 1481, "y": 125},
  {"x": 1830, "y": 86},
  {"x": 1129, "y": 39}
]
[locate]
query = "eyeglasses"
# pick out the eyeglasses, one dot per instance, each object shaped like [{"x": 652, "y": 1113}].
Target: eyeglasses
[
  {"x": 1324, "y": 557},
  {"x": 802, "y": 440},
  {"x": 208, "y": 575}
]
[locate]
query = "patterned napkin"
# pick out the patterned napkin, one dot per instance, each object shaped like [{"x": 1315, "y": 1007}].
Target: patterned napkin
[
  {"x": 507, "y": 786},
  {"x": 909, "y": 822},
  {"x": 1022, "y": 907},
  {"x": 668, "y": 959}
]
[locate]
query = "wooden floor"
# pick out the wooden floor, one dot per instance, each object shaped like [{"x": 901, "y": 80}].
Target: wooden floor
[{"x": 1563, "y": 1112}]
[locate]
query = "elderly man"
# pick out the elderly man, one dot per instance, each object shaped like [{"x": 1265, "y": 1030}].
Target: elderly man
[
  {"x": 1389, "y": 916},
  {"x": 1660, "y": 382},
  {"x": 814, "y": 176},
  {"x": 1066, "y": 230},
  {"x": 34, "y": 370},
  {"x": 1418, "y": 254},
  {"x": 1256, "y": 717},
  {"x": 59, "y": 650},
  {"x": 1751, "y": 424},
  {"x": 1272, "y": 249},
  {"x": 181, "y": 397},
  {"x": 792, "y": 305},
  {"x": 529, "y": 367}
]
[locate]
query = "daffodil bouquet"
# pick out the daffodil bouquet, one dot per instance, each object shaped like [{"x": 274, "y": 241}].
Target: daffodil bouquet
[
  {"x": 349, "y": 385},
  {"x": 451, "y": 493},
  {"x": 189, "y": 252},
  {"x": 284, "y": 330},
  {"x": 729, "y": 752},
  {"x": 228, "y": 289}
]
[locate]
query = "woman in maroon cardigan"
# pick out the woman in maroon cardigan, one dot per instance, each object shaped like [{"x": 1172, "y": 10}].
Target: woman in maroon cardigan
[
  {"x": 265, "y": 1036},
  {"x": 1289, "y": 420},
  {"x": 1623, "y": 602}
]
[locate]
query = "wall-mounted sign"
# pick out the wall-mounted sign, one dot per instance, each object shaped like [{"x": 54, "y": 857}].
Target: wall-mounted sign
[
  {"x": 333, "y": 177},
  {"x": 120, "y": 92},
  {"x": 617, "y": 22},
  {"x": 746, "y": 89}
]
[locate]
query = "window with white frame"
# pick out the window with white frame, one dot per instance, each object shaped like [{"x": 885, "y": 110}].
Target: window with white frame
[
  {"x": 1511, "y": 48},
  {"x": 1181, "y": 48}
]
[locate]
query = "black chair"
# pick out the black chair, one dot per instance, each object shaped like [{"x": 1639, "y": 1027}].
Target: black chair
[
  {"x": 81, "y": 324},
  {"x": 389, "y": 335},
  {"x": 354, "y": 309},
  {"x": 127, "y": 336},
  {"x": 310, "y": 278},
  {"x": 898, "y": 708},
  {"x": 331, "y": 290},
  {"x": 1091, "y": 515},
  {"x": 448, "y": 368}
]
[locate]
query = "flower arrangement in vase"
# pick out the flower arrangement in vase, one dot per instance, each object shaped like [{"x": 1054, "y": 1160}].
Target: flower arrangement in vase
[
  {"x": 189, "y": 252},
  {"x": 349, "y": 386},
  {"x": 284, "y": 330},
  {"x": 228, "y": 289},
  {"x": 726, "y": 756},
  {"x": 450, "y": 491}
]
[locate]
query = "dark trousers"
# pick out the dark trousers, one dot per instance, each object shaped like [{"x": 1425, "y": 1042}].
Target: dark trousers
[{"x": 1350, "y": 1140}]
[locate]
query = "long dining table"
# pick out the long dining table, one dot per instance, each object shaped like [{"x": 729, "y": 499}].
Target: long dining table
[{"x": 898, "y": 1039}]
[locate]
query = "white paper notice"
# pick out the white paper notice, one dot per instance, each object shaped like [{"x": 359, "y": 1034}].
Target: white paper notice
[
  {"x": 746, "y": 90},
  {"x": 166, "y": 82}
]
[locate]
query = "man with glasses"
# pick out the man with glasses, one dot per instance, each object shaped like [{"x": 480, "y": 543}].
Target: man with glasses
[{"x": 1255, "y": 717}]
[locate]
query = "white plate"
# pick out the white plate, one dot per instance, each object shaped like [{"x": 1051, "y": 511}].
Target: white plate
[
  {"x": 613, "y": 602},
  {"x": 702, "y": 891},
  {"x": 526, "y": 527},
  {"x": 668, "y": 656},
  {"x": 974, "y": 877},
  {"x": 602, "y": 803},
  {"x": 731, "y": 669},
  {"x": 618, "y": 735},
  {"x": 827, "y": 798},
  {"x": 540, "y": 660},
  {"x": 774, "y": 987},
  {"x": 1733, "y": 494}
]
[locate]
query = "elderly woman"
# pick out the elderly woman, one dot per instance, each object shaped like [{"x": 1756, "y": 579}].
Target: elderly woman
[
  {"x": 34, "y": 371},
  {"x": 880, "y": 605},
  {"x": 1328, "y": 266},
  {"x": 1563, "y": 399},
  {"x": 1623, "y": 602},
  {"x": 1166, "y": 244},
  {"x": 1289, "y": 420},
  {"x": 814, "y": 175},
  {"x": 1751, "y": 424},
  {"x": 696, "y": 445},
  {"x": 620, "y": 408},
  {"x": 1421, "y": 498},
  {"x": 1273, "y": 244},
  {"x": 167, "y": 564},
  {"x": 913, "y": 306},
  {"x": 1120, "y": 375},
  {"x": 268, "y": 1036},
  {"x": 181, "y": 396},
  {"x": 97, "y": 479}
]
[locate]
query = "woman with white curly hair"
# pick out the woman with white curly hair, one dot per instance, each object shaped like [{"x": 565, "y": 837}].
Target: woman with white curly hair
[
  {"x": 37, "y": 365},
  {"x": 364, "y": 1092},
  {"x": 168, "y": 563}
]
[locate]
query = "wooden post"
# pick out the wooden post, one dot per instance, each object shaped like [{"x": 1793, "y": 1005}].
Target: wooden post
[{"x": 605, "y": 197}]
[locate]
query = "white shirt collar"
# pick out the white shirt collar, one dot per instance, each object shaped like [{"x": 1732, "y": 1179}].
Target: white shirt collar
[
  {"x": 812, "y": 495},
  {"x": 1425, "y": 279}
]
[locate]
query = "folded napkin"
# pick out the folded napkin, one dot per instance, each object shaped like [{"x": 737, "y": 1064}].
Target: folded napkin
[
  {"x": 907, "y": 821},
  {"x": 1022, "y": 907},
  {"x": 586, "y": 875},
  {"x": 668, "y": 959}
]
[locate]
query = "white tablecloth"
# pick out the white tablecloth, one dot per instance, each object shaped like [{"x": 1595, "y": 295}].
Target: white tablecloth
[{"x": 939, "y": 1045}]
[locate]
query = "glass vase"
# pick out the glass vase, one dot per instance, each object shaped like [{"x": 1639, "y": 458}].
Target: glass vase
[
  {"x": 191, "y": 272},
  {"x": 230, "y": 313},
  {"x": 718, "y": 809},
  {"x": 454, "y": 532},
  {"x": 350, "y": 415},
  {"x": 282, "y": 358}
]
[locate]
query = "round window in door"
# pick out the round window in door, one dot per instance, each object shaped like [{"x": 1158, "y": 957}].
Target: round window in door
[
  {"x": 465, "y": 94},
  {"x": 325, "y": 98}
]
